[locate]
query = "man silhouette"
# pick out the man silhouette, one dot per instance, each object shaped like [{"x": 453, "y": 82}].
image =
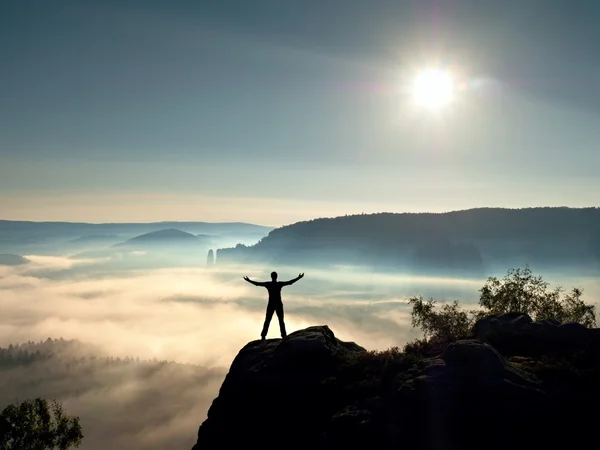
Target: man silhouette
[{"x": 275, "y": 304}]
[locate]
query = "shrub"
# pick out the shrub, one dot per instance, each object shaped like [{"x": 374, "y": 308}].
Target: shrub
[
  {"x": 448, "y": 323},
  {"x": 519, "y": 291},
  {"x": 425, "y": 348}
]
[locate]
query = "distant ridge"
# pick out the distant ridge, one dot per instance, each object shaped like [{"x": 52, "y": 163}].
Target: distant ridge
[
  {"x": 15, "y": 231},
  {"x": 7, "y": 259},
  {"x": 472, "y": 240},
  {"x": 95, "y": 238},
  {"x": 169, "y": 235},
  {"x": 163, "y": 223}
]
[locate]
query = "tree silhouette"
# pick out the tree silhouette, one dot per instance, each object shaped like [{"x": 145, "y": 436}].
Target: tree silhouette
[
  {"x": 37, "y": 425},
  {"x": 519, "y": 291}
]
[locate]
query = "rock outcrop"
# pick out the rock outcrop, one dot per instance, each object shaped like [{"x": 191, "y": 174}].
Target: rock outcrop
[
  {"x": 313, "y": 391},
  {"x": 274, "y": 389},
  {"x": 515, "y": 334},
  {"x": 210, "y": 258}
]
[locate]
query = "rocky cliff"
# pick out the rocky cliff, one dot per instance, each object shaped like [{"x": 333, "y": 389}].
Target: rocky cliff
[{"x": 313, "y": 391}]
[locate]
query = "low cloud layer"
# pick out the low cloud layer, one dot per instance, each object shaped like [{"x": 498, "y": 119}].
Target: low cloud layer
[
  {"x": 194, "y": 316},
  {"x": 121, "y": 405}
]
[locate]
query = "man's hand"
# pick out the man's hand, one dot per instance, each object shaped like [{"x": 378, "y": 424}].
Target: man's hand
[
  {"x": 255, "y": 283},
  {"x": 300, "y": 276}
]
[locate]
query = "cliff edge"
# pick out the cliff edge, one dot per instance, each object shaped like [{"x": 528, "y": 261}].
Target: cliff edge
[{"x": 313, "y": 391}]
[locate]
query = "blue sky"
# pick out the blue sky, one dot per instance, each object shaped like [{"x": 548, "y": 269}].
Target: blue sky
[{"x": 274, "y": 111}]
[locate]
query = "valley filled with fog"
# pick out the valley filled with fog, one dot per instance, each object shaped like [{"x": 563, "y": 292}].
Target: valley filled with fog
[
  {"x": 196, "y": 316},
  {"x": 137, "y": 339}
]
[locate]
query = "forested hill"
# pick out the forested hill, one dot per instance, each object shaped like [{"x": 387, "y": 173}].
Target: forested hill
[
  {"x": 482, "y": 223},
  {"x": 466, "y": 238}
]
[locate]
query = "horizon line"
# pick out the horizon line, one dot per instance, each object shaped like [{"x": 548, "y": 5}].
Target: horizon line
[{"x": 304, "y": 220}]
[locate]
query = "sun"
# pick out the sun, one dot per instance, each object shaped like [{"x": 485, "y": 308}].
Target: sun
[{"x": 433, "y": 88}]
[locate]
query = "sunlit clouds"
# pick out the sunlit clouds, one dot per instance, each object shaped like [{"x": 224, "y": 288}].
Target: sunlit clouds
[
  {"x": 192, "y": 314},
  {"x": 201, "y": 315}
]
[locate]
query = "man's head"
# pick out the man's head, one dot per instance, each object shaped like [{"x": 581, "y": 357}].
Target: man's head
[{"x": 274, "y": 276}]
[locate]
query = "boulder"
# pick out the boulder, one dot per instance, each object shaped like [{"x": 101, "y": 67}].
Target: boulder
[
  {"x": 517, "y": 334},
  {"x": 273, "y": 393}
]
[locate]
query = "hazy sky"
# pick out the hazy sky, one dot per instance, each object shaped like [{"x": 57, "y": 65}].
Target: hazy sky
[{"x": 273, "y": 111}]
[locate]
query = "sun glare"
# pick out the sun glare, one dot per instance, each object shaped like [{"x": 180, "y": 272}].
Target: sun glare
[{"x": 433, "y": 88}]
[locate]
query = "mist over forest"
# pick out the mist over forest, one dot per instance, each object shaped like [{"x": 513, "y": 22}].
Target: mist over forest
[{"x": 134, "y": 330}]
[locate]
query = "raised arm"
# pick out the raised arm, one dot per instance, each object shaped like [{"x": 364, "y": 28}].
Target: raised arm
[
  {"x": 255, "y": 283},
  {"x": 292, "y": 281}
]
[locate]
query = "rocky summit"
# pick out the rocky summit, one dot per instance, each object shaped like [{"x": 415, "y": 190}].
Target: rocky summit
[{"x": 313, "y": 391}]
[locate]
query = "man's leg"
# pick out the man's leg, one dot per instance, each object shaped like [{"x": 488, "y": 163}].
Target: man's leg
[
  {"x": 279, "y": 311},
  {"x": 269, "y": 315}
]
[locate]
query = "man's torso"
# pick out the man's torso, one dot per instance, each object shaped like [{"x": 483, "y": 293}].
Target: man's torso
[{"x": 274, "y": 288}]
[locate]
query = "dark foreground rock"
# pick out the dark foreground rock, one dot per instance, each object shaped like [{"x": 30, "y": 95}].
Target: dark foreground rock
[
  {"x": 516, "y": 334},
  {"x": 313, "y": 391},
  {"x": 274, "y": 390}
]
